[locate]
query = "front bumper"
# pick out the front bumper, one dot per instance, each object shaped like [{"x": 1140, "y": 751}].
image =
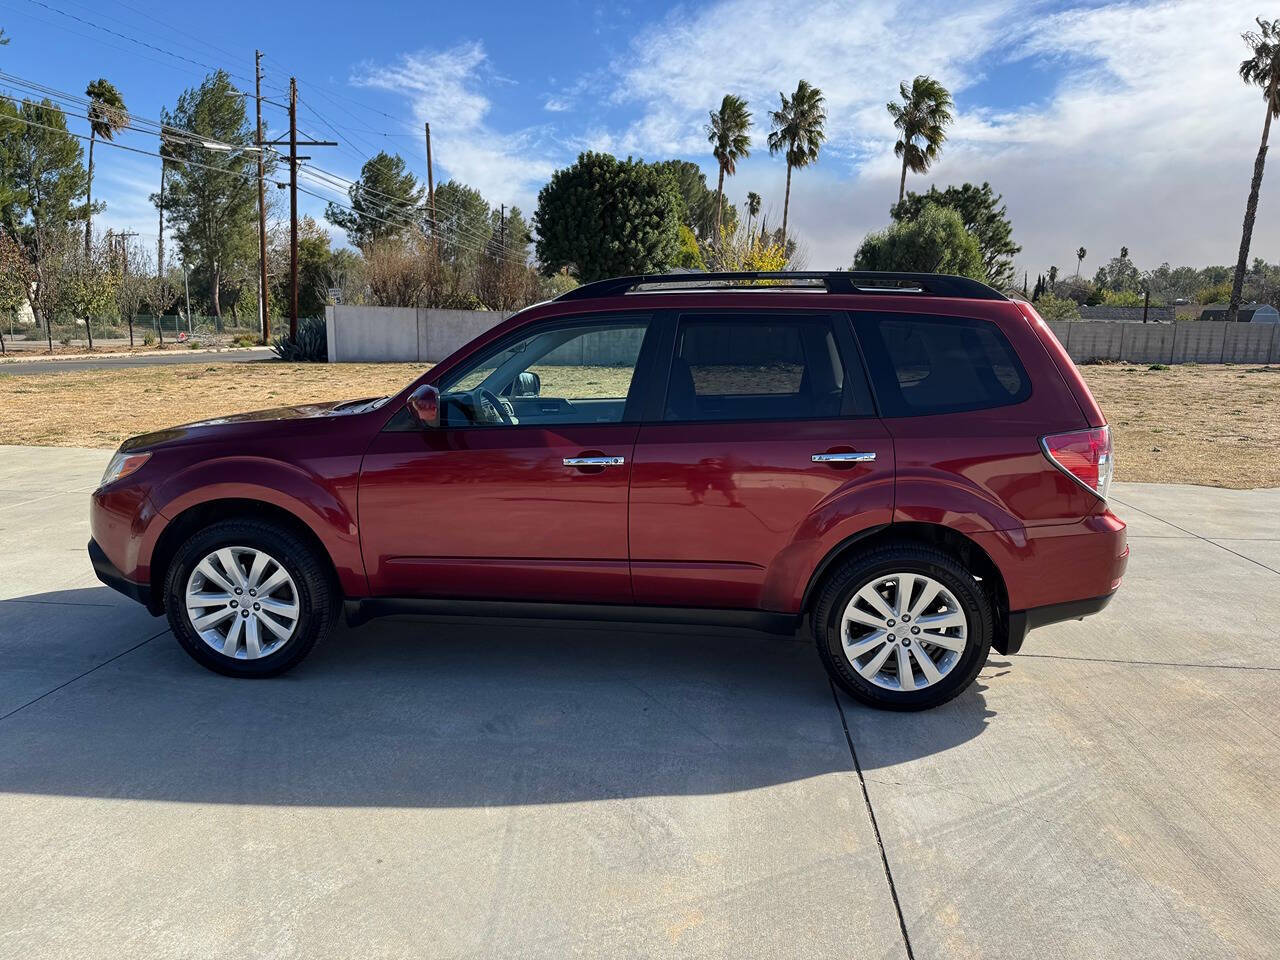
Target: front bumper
[{"x": 113, "y": 578}]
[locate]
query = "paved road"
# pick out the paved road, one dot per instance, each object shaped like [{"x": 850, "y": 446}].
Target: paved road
[
  {"x": 456, "y": 788},
  {"x": 28, "y": 367}
]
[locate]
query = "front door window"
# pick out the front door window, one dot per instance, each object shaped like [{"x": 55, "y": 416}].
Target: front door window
[{"x": 569, "y": 374}]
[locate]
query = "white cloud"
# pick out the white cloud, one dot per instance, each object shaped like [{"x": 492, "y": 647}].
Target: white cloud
[
  {"x": 1147, "y": 140},
  {"x": 556, "y": 105},
  {"x": 447, "y": 89}
]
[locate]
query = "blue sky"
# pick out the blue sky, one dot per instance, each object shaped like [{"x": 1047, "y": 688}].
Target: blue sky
[{"x": 1101, "y": 123}]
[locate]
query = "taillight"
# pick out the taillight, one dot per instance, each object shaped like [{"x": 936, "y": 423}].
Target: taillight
[{"x": 1083, "y": 455}]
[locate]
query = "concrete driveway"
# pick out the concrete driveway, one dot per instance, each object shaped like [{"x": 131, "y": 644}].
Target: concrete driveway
[{"x": 450, "y": 788}]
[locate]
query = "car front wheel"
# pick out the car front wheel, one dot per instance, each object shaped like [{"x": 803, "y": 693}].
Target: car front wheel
[
  {"x": 248, "y": 598},
  {"x": 903, "y": 627}
]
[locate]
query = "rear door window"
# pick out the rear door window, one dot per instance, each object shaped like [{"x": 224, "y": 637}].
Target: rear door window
[
  {"x": 759, "y": 367},
  {"x": 922, "y": 365}
]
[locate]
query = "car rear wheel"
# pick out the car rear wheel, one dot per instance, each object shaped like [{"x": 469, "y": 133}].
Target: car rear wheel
[
  {"x": 903, "y": 627},
  {"x": 248, "y": 598}
]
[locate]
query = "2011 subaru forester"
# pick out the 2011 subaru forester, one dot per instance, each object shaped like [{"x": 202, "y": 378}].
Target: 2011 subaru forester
[{"x": 910, "y": 463}]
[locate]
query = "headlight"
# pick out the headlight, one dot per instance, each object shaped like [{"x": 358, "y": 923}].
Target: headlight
[{"x": 123, "y": 464}]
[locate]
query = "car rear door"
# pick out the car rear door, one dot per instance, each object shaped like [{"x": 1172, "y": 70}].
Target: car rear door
[
  {"x": 764, "y": 419},
  {"x": 529, "y": 503}
]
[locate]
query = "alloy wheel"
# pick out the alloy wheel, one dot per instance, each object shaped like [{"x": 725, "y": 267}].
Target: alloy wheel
[
  {"x": 242, "y": 602},
  {"x": 903, "y": 631}
]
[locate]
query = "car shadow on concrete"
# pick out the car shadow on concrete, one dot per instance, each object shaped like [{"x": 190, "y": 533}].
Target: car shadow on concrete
[{"x": 452, "y": 712}]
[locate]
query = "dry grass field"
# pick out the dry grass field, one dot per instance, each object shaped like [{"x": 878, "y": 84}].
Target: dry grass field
[{"x": 1214, "y": 425}]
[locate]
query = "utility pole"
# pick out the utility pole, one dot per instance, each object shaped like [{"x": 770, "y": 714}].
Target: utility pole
[
  {"x": 294, "y": 143},
  {"x": 186, "y": 287},
  {"x": 431, "y": 194},
  {"x": 293, "y": 208},
  {"x": 124, "y": 278},
  {"x": 262, "y": 206}
]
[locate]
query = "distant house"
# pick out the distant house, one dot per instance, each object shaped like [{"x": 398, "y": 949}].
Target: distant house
[{"x": 1249, "y": 313}]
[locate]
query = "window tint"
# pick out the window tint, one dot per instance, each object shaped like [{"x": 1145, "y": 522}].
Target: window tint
[
  {"x": 755, "y": 369},
  {"x": 927, "y": 365},
  {"x": 559, "y": 374}
]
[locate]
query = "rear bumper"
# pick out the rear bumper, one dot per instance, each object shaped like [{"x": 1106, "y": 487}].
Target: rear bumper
[
  {"x": 1023, "y": 621},
  {"x": 113, "y": 578}
]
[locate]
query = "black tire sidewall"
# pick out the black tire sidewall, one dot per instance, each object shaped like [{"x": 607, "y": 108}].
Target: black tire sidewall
[
  {"x": 853, "y": 575},
  {"x": 315, "y": 594}
]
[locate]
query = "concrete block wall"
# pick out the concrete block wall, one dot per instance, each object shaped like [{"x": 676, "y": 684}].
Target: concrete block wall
[
  {"x": 1190, "y": 341},
  {"x": 387, "y": 334},
  {"x": 402, "y": 334}
]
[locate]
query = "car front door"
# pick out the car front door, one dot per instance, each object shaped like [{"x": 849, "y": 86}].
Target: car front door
[
  {"x": 763, "y": 452},
  {"x": 521, "y": 492}
]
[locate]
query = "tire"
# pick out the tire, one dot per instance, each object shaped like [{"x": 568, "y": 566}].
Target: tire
[
  {"x": 837, "y": 641},
  {"x": 307, "y": 587}
]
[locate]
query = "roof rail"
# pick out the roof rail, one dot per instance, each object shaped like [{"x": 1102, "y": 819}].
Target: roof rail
[{"x": 871, "y": 282}]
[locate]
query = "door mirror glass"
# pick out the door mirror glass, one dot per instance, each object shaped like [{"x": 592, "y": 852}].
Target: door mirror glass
[
  {"x": 424, "y": 404},
  {"x": 526, "y": 384}
]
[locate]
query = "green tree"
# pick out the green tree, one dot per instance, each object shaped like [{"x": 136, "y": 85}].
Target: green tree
[
  {"x": 698, "y": 203},
  {"x": 605, "y": 217},
  {"x": 753, "y": 208},
  {"x": 211, "y": 201},
  {"x": 934, "y": 242},
  {"x": 464, "y": 222},
  {"x": 315, "y": 267},
  {"x": 107, "y": 117},
  {"x": 921, "y": 117},
  {"x": 798, "y": 134},
  {"x": 730, "y": 141},
  {"x": 44, "y": 182},
  {"x": 1081, "y": 253},
  {"x": 15, "y": 279},
  {"x": 984, "y": 215},
  {"x": 1262, "y": 69},
  {"x": 384, "y": 202},
  {"x": 1118, "y": 274}
]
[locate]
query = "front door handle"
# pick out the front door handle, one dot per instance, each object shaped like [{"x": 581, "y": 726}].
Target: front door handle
[
  {"x": 864, "y": 457},
  {"x": 594, "y": 461}
]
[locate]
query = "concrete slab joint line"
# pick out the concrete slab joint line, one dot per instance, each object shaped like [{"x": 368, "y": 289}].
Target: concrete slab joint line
[{"x": 875, "y": 827}]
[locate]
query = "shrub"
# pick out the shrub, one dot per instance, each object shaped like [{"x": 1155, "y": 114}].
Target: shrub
[
  {"x": 310, "y": 346},
  {"x": 149, "y": 340},
  {"x": 245, "y": 340},
  {"x": 934, "y": 242},
  {"x": 1158, "y": 366},
  {"x": 1122, "y": 298},
  {"x": 1053, "y": 307}
]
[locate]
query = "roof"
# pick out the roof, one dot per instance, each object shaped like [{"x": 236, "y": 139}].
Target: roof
[{"x": 1264, "y": 312}]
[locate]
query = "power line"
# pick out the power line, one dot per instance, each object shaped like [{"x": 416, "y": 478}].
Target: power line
[
  {"x": 159, "y": 128},
  {"x": 121, "y": 146},
  {"x": 135, "y": 40},
  {"x": 456, "y": 232}
]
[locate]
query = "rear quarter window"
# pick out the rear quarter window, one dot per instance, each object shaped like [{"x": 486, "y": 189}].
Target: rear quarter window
[{"x": 924, "y": 365}]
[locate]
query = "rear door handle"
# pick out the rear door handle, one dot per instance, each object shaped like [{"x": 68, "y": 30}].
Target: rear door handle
[
  {"x": 843, "y": 457},
  {"x": 594, "y": 461}
]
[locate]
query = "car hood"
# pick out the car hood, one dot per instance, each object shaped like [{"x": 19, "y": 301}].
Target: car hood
[{"x": 255, "y": 423}]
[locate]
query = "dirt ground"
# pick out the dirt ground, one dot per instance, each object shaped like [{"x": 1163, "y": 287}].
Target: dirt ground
[{"x": 1213, "y": 425}]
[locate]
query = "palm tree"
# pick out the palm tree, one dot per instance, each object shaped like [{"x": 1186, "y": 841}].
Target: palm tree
[
  {"x": 107, "y": 117},
  {"x": 1080, "y": 255},
  {"x": 797, "y": 133},
  {"x": 753, "y": 208},
  {"x": 923, "y": 114},
  {"x": 1263, "y": 68},
  {"x": 730, "y": 142}
]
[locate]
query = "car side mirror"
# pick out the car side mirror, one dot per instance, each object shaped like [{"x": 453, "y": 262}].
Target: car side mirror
[
  {"x": 527, "y": 384},
  {"x": 424, "y": 404}
]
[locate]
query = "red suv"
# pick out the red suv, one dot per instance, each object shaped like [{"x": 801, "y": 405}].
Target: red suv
[{"x": 910, "y": 463}]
